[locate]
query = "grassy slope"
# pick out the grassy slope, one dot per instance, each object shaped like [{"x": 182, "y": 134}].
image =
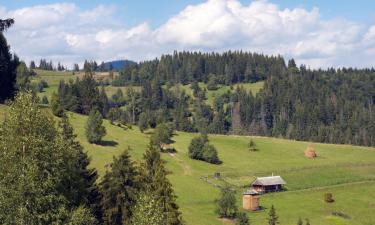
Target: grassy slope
[
  {"x": 337, "y": 164},
  {"x": 346, "y": 171}
]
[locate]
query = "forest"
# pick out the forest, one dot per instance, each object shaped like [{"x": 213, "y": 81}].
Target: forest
[{"x": 331, "y": 106}]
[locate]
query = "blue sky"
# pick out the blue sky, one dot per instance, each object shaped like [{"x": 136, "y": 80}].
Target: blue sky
[
  {"x": 320, "y": 33},
  {"x": 158, "y": 11}
]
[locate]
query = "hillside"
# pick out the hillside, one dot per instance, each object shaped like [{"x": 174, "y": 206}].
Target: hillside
[{"x": 346, "y": 171}]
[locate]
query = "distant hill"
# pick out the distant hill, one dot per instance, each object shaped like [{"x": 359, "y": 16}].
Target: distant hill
[{"x": 118, "y": 64}]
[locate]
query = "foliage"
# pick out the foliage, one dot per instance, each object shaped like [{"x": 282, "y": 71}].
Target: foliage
[
  {"x": 54, "y": 175},
  {"x": 226, "y": 204},
  {"x": 200, "y": 149},
  {"x": 119, "y": 188},
  {"x": 162, "y": 134},
  {"x": 273, "y": 219},
  {"x": 94, "y": 128},
  {"x": 82, "y": 216},
  {"x": 242, "y": 219},
  {"x": 143, "y": 123},
  {"x": 155, "y": 183},
  {"x": 8, "y": 65},
  {"x": 148, "y": 211},
  {"x": 252, "y": 146}
]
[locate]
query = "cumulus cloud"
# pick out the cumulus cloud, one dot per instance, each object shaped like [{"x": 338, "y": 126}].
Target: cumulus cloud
[{"x": 64, "y": 32}]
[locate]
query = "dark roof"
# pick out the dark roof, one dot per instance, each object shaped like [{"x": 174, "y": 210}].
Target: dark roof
[{"x": 266, "y": 181}]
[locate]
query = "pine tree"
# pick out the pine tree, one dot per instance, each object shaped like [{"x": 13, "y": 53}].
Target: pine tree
[
  {"x": 8, "y": 64},
  {"x": 119, "y": 188},
  {"x": 79, "y": 183},
  {"x": 156, "y": 183},
  {"x": 273, "y": 219},
  {"x": 82, "y": 216},
  {"x": 300, "y": 222},
  {"x": 94, "y": 128}
]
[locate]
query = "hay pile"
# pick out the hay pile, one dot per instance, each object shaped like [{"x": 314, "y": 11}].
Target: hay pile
[{"x": 310, "y": 153}]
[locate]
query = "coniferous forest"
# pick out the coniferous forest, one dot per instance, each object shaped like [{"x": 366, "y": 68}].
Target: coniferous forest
[{"x": 332, "y": 106}]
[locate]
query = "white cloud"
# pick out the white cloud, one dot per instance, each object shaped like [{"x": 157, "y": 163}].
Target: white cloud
[{"x": 65, "y": 32}]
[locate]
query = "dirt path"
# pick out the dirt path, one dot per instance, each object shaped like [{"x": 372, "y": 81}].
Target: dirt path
[{"x": 186, "y": 168}]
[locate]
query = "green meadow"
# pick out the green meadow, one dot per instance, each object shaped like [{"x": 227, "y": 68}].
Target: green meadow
[{"x": 348, "y": 172}]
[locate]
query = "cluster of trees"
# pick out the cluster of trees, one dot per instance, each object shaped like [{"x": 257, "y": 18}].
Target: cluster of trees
[
  {"x": 81, "y": 96},
  {"x": 46, "y": 179},
  {"x": 185, "y": 67},
  {"x": 46, "y": 65},
  {"x": 93, "y": 66},
  {"x": 334, "y": 106},
  {"x": 201, "y": 149}
]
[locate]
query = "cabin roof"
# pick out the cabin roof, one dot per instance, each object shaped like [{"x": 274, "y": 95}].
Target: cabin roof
[{"x": 267, "y": 181}]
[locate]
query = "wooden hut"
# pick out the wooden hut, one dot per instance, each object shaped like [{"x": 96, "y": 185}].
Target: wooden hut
[
  {"x": 268, "y": 184},
  {"x": 250, "y": 200}
]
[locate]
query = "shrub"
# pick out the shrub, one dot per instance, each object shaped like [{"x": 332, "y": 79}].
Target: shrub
[
  {"x": 328, "y": 197},
  {"x": 242, "y": 219},
  {"x": 252, "y": 146},
  {"x": 226, "y": 204},
  {"x": 210, "y": 154},
  {"x": 200, "y": 149}
]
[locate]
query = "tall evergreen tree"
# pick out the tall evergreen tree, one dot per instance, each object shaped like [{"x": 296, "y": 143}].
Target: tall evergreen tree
[
  {"x": 119, "y": 188},
  {"x": 273, "y": 219},
  {"x": 156, "y": 183},
  {"x": 79, "y": 183},
  {"x": 8, "y": 64}
]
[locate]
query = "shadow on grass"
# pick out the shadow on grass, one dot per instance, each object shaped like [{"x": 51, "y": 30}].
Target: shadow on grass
[{"x": 108, "y": 143}]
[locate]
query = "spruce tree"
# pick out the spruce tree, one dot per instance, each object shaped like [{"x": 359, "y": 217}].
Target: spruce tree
[
  {"x": 300, "y": 222},
  {"x": 119, "y": 188},
  {"x": 79, "y": 183},
  {"x": 94, "y": 129},
  {"x": 273, "y": 219},
  {"x": 242, "y": 219},
  {"x": 156, "y": 183},
  {"x": 8, "y": 64},
  {"x": 142, "y": 122}
]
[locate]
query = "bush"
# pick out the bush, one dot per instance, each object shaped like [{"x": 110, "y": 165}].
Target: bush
[
  {"x": 45, "y": 100},
  {"x": 210, "y": 154},
  {"x": 242, "y": 219},
  {"x": 226, "y": 204},
  {"x": 328, "y": 197},
  {"x": 200, "y": 149},
  {"x": 252, "y": 146}
]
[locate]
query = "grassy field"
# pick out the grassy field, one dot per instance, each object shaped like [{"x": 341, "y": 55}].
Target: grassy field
[{"x": 346, "y": 171}]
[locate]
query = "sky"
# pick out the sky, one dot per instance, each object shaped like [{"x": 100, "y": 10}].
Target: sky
[{"x": 319, "y": 34}]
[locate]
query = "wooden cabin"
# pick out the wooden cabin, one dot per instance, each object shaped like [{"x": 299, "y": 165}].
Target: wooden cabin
[{"x": 268, "y": 184}]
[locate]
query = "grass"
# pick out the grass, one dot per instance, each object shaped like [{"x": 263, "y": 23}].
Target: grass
[{"x": 346, "y": 171}]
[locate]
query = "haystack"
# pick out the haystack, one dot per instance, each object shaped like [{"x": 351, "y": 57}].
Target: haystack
[{"x": 310, "y": 153}]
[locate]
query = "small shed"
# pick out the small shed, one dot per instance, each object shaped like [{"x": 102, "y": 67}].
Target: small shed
[
  {"x": 268, "y": 184},
  {"x": 250, "y": 200}
]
